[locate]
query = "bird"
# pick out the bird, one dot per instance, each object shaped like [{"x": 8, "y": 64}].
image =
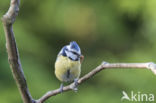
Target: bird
[{"x": 68, "y": 64}]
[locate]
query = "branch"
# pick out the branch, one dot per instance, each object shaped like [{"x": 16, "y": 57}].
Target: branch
[
  {"x": 101, "y": 67},
  {"x": 13, "y": 56}
]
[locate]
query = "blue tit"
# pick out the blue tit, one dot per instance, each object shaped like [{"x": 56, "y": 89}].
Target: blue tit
[{"x": 68, "y": 64}]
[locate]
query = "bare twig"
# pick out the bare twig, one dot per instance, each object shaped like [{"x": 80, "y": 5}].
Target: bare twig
[
  {"x": 103, "y": 66},
  {"x": 13, "y": 56}
]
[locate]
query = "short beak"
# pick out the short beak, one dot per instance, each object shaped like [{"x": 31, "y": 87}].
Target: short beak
[{"x": 81, "y": 58}]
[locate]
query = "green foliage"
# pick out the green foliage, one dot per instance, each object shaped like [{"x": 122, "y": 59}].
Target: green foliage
[{"x": 106, "y": 30}]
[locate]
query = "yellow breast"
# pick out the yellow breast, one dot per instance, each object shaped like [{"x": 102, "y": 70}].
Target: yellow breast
[{"x": 66, "y": 69}]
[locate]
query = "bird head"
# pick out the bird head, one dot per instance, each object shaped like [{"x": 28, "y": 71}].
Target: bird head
[{"x": 72, "y": 51}]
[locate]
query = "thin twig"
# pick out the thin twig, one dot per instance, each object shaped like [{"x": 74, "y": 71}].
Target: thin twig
[
  {"x": 13, "y": 56},
  {"x": 103, "y": 66}
]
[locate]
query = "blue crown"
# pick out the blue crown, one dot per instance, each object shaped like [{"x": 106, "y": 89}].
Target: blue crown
[{"x": 74, "y": 46}]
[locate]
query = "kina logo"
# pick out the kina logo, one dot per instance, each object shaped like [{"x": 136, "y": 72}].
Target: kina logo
[{"x": 137, "y": 96}]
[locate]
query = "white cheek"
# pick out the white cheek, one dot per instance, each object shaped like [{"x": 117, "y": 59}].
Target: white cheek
[{"x": 71, "y": 55}]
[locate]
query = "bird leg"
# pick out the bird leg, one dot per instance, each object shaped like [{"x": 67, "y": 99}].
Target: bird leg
[
  {"x": 61, "y": 87},
  {"x": 75, "y": 84}
]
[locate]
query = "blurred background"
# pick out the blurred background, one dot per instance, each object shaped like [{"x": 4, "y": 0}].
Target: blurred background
[{"x": 106, "y": 30}]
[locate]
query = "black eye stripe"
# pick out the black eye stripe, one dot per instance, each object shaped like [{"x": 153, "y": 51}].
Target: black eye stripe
[{"x": 74, "y": 53}]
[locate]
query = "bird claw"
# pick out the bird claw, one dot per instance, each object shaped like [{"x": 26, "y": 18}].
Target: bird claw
[
  {"x": 104, "y": 63},
  {"x": 75, "y": 89}
]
